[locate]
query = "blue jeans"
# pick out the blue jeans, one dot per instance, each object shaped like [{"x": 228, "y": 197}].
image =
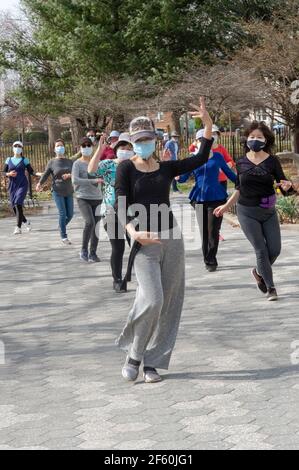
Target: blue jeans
[{"x": 65, "y": 206}]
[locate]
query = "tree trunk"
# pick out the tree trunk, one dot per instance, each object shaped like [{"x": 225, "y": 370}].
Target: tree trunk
[
  {"x": 176, "y": 121},
  {"x": 77, "y": 131},
  {"x": 296, "y": 134},
  {"x": 54, "y": 132},
  {"x": 118, "y": 122}
]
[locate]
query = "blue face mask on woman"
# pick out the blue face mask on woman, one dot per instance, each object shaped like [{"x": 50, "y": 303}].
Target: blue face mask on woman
[
  {"x": 256, "y": 145},
  {"x": 144, "y": 149},
  {"x": 60, "y": 150}
]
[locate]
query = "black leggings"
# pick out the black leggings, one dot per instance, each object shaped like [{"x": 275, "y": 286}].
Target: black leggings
[
  {"x": 116, "y": 237},
  {"x": 261, "y": 227},
  {"x": 21, "y": 219}
]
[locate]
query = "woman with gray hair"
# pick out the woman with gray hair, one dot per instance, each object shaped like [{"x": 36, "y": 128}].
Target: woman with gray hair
[{"x": 143, "y": 186}]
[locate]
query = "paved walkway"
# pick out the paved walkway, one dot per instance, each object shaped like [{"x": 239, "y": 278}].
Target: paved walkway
[{"x": 232, "y": 383}]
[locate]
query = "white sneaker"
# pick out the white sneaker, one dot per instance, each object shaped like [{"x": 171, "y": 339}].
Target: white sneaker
[
  {"x": 28, "y": 226},
  {"x": 17, "y": 231},
  {"x": 66, "y": 241}
]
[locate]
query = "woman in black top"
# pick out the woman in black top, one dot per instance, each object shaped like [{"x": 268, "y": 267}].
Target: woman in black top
[
  {"x": 143, "y": 206},
  {"x": 256, "y": 196}
]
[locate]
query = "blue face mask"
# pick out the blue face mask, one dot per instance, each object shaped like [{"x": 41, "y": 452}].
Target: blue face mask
[
  {"x": 256, "y": 145},
  {"x": 59, "y": 150},
  {"x": 144, "y": 149}
]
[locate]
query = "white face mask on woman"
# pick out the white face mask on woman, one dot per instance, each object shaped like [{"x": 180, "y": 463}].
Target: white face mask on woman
[
  {"x": 86, "y": 151},
  {"x": 17, "y": 151},
  {"x": 124, "y": 154}
]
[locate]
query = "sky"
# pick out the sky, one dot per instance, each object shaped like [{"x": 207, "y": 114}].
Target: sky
[{"x": 9, "y": 5}]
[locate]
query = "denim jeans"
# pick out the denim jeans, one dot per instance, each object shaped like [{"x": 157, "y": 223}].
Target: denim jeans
[{"x": 65, "y": 206}]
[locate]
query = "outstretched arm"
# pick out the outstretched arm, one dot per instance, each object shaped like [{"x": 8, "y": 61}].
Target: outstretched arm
[
  {"x": 226, "y": 170},
  {"x": 190, "y": 164}
]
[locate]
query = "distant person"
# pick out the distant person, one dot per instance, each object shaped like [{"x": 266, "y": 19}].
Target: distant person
[
  {"x": 207, "y": 194},
  {"x": 109, "y": 151},
  {"x": 92, "y": 135},
  {"x": 171, "y": 152},
  {"x": 217, "y": 147},
  {"x": 106, "y": 170},
  {"x": 89, "y": 197},
  {"x": 15, "y": 169},
  {"x": 60, "y": 169}
]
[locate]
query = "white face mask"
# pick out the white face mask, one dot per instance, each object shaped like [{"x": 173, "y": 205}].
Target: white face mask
[
  {"x": 124, "y": 154},
  {"x": 216, "y": 138},
  {"x": 92, "y": 138},
  {"x": 86, "y": 151},
  {"x": 17, "y": 151}
]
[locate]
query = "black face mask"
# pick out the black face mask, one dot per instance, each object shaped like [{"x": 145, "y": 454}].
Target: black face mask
[{"x": 256, "y": 145}]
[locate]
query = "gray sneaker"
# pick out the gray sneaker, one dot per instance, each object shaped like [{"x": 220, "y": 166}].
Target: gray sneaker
[
  {"x": 130, "y": 371},
  {"x": 66, "y": 241},
  {"x": 272, "y": 294},
  {"x": 151, "y": 376}
]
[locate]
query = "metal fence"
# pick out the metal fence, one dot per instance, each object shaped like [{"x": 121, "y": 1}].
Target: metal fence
[{"x": 39, "y": 155}]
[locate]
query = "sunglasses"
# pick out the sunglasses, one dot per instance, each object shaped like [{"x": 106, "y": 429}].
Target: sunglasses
[{"x": 86, "y": 145}]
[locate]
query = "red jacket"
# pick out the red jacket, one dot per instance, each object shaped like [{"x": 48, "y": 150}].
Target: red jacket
[
  {"x": 108, "y": 154},
  {"x": 227, "y": 157}
]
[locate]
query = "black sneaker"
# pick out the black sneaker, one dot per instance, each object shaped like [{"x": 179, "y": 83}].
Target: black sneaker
[
  {"x": 259, "y": 281},
  {"x": 84, "y": 256},
  {"x": 93, "y": 258},
  {"x": 120, "y": 286},
  {"x": 272, "y": 294}
]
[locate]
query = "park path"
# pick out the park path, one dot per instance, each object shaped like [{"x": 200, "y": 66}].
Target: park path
[{"x": 233, "y": 381}]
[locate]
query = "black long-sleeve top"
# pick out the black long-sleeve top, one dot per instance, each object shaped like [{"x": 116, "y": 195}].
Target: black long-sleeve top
[
  {"x": 151, "y": 190},
  {"x": 257, "y": 181}
]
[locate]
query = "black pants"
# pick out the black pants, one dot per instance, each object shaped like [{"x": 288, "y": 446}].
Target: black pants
[
  {"x": 175, "y": 186},
  {"x": 21, "y": 219},
  {"x": 89, "y": 209},
  {"x": 209, "y": 226},
  {"x": 116, "y": 236}
]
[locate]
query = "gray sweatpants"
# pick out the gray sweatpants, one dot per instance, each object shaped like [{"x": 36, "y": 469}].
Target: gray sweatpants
[
  {"x": 152, "y": 326},
  {"x": 262, "y": 229}
]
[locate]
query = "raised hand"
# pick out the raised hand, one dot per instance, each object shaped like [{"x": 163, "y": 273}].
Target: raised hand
[{"x": 201, "y": 112}]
